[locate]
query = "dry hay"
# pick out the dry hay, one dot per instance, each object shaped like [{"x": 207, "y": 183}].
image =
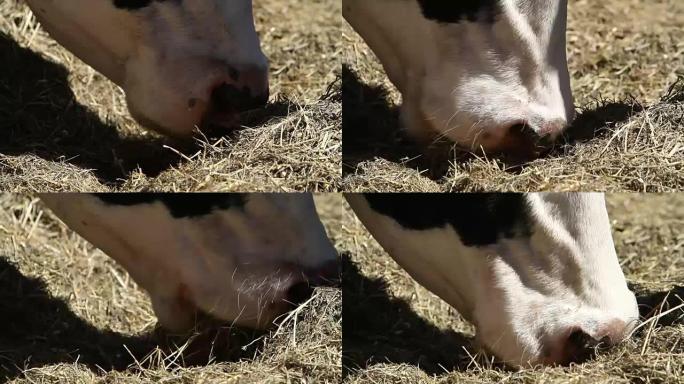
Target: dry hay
[
  {"x": 395, "y": 331},
  {"x": 625, "y": 58},
  {"x": 70, "y": 314},
  {"x": 63, "y": 127}
]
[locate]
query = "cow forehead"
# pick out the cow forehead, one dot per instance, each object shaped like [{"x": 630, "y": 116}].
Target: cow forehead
[{"x": 479, "y": 219}]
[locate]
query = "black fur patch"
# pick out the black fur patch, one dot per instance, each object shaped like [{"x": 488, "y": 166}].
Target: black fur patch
[
  {"x": 134, "y": 4},
  {"x": 179, "y": 204},
  {"x": 454, "y": 11},
  {"x": 478, "y": 218}
]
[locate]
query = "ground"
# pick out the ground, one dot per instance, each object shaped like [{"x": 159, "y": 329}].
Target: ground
[
  {"x": 70, "y": 314},
  {"x": 63, "y": 127},
  {"x": 625, "y": 57},
  {"x": 395, "y": 331}
]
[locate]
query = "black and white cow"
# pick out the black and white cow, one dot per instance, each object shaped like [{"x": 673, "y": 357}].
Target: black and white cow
[
  {"x": 244, "y": 258},
  {"x": 537, "y": 274},
  {"x": 488, "y": 74},
  {"x": 183, "y": 64}
]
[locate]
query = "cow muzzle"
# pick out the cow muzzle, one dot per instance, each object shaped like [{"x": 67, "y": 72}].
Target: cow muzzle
[
  {"x": 525, "y": 140},
  {"x": 579, "y": 344}
]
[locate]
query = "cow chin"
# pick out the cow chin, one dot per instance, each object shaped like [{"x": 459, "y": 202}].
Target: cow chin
[
  {"x": 167, "y": 117},
  {"x": 427, "y": 128},
  {"x": 179, "y": 314},
  {"x": 165, "y": 100},
  {"x": 457, "y": 127},
  {"x": 250, "y": 296}
]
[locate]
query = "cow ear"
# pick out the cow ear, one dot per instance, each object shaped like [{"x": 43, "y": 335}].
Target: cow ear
[{"x": 174, "y": 312}]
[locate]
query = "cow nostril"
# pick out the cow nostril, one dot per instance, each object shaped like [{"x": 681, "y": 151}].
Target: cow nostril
[
  {"x": 299, "y": 293},
  {"x": 581, "y": 346},
  {"x": 520, "y": 139},
  {"x": 525, "y": 132},
  {"x": 579, "y": 339},
  {"x": 226, "y": 98},
  {"x": 524, "y": 141}
]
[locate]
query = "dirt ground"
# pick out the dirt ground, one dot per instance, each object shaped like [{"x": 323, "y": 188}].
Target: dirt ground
[
  {"x": 395, "y": 331},
  {"x": 63, "y": 127},
  {"x": 70, "y": 314},
  {"x": 625, "y": 57}
]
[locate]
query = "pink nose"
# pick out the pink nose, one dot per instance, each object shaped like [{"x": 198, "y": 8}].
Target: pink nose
[
  {"x": 528, "y": 139},
  {"x": 580, "y": 346}
]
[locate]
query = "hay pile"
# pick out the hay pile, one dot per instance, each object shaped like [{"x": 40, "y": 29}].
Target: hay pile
[
  {"x": 625, "y": 60},
  {"x": 71, "y": 314},
  {"x": 63, "y": 127},
  {"x": 396, "y": 331}
]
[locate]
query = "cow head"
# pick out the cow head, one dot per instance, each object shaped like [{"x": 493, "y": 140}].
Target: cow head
[
  {"x": 240, "y": 258},
  {"x": 182, "y": 64},
  {"x": 488, "y": 74},
  {"x": 537, "y": 274}
]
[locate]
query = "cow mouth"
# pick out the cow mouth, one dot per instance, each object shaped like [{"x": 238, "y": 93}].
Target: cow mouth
[
  {"x": 522, "y": 145},
  {"x": 220, "y": 122},
  {"x": 226, "y": 103}
]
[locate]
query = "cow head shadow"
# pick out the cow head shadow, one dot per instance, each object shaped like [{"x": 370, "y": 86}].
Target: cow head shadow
[
  {"x": 371, "y": 129},
  {"x": 39, "y": 115},
  {"x": 370, "y": 126},
  {"x": 650, "y": 303},
  {"x": 378, "y": 328},
  {"x": 37, "y": 330}
]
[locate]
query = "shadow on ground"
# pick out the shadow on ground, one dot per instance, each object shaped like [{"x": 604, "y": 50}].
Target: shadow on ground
[
  {"x": 39, "y": 115},
  {"x": 380, "y": 329},
  {"x": 39, "y": 330},
  {"x": 651, "y": 303},
  {"x": 371, "y": 129}
]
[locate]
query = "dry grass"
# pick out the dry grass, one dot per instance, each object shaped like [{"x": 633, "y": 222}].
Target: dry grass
[
  {"x": 63, "y": 127},
  {"x": 395, "y": 331},
  {"x": 625, "y": 59},
  {"x": 70, "y": 314}
]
